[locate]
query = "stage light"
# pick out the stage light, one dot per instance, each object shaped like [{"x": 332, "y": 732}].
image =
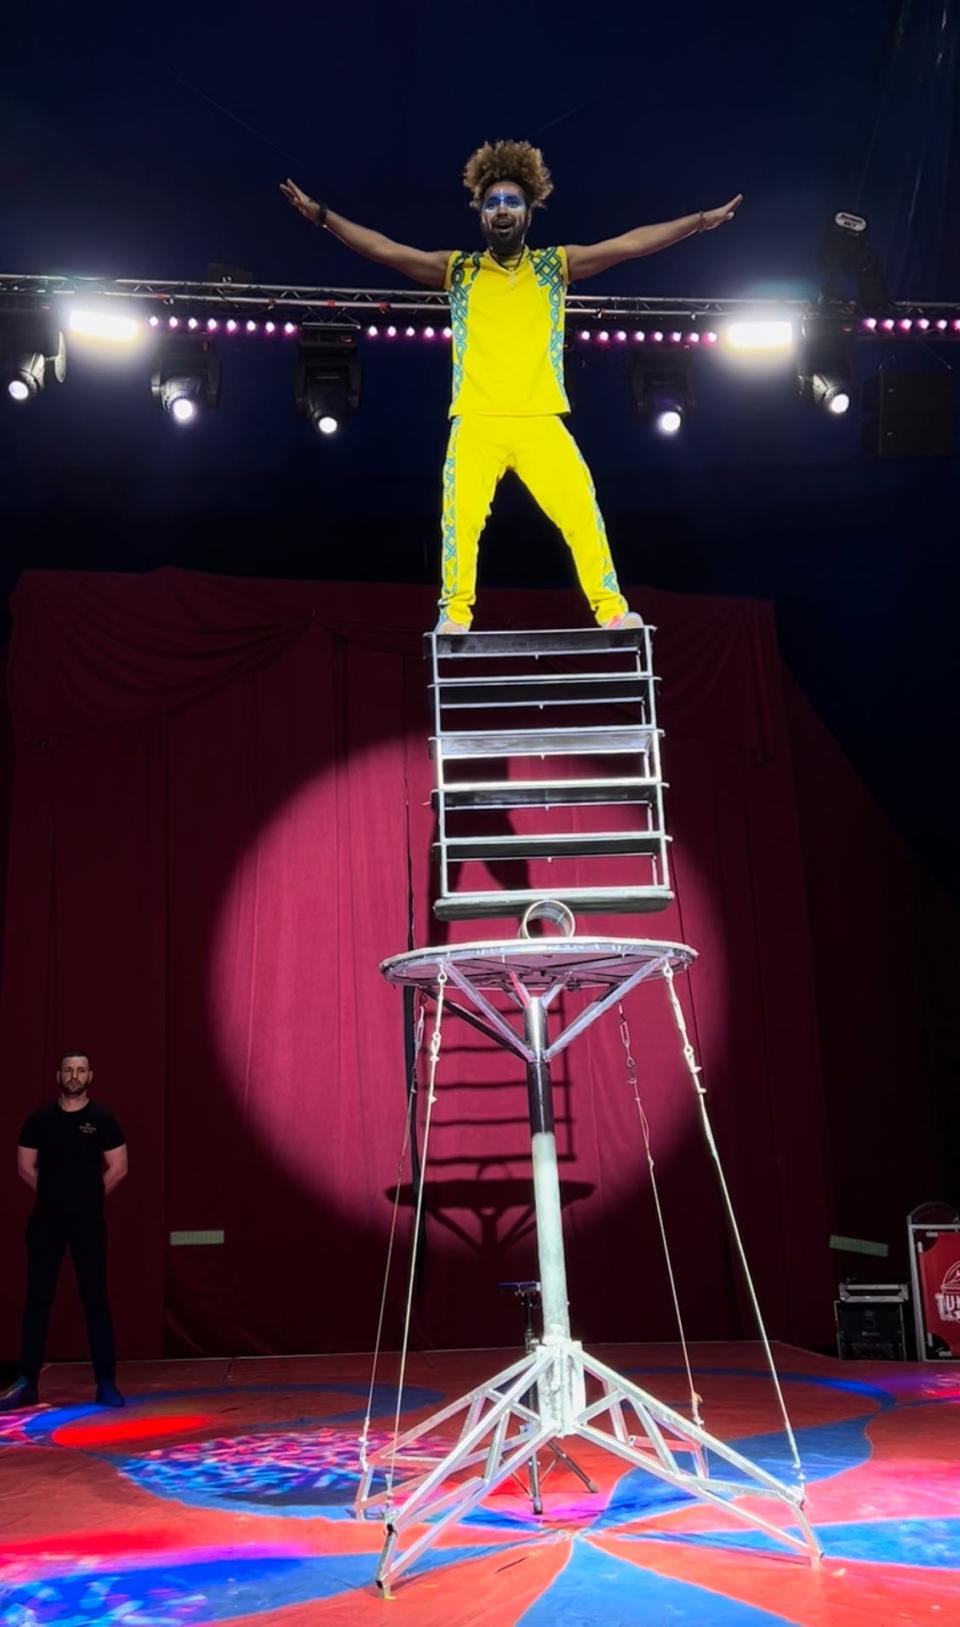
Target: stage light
[
  {"x": 187, "y": 379},
  {"x": 110, "y": 326},
  {"x": 182, "y": 407},
  {"x": 847, "y": 255},
  {"x": 662, "y": 391},
  {"x": 327, "y": 378},
  {"x": 176, "y": 399},
  {"x": 33, "y": 354},
  {"x": 832, "y": 393},
  {"x": 761, "y": 335},
  {"x": 824, "y": 377},
  {"x": 29, "y": 374}
]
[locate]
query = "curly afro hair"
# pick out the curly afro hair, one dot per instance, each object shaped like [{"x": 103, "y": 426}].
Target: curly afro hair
[{"x": 514, "y": 161}]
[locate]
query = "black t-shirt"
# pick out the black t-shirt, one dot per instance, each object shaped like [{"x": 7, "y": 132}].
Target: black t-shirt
[{"x": 71, "y": 1148}]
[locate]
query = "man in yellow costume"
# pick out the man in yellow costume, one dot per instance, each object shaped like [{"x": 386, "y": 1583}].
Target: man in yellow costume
[{"x": 508, "y": 404}]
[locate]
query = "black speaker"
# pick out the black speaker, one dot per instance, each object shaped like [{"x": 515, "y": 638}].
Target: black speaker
[
  {"x": 908, "y": 415},
  {"x": 871, "y": 1330}
]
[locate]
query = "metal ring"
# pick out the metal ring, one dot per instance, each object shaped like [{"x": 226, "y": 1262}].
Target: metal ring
[{"x": 549, "y": 909}]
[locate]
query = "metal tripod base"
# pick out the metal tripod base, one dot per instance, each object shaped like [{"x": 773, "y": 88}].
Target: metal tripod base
[
  {"x": 499, "y": 1432},
  {"x": 543, "y": 1398}
]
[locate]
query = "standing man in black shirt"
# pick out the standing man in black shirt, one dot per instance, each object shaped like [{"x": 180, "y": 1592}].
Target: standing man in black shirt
[{"x": 72, "y": 1153}]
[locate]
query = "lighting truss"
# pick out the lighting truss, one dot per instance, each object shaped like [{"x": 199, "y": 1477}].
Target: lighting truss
[{"x": 276, "y": 310}]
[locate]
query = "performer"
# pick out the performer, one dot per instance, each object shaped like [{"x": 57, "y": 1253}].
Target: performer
[
  {"x": 507, "y": 315},
  {"x": 72, "y": 1153}
]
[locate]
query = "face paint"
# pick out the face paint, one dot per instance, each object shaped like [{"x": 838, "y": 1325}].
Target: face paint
[{"x": 503, "y": 200}]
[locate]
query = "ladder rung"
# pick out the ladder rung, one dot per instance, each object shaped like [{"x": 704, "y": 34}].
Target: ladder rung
[
  {"x": 582, "y": 900},
  {"x": 555, "y": 641},
  {"x": 552, "y": 845},
  {"x": 595, "y": 687},
  {"x": 544, "y": 742},
  {"x": 545, "y": 793}
]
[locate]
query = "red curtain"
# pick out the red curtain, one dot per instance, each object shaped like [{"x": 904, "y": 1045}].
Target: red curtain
[{"x": 220, "y": 826}]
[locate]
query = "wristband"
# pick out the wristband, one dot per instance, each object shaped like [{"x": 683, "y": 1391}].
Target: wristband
[{"x": 321, "y": 219}]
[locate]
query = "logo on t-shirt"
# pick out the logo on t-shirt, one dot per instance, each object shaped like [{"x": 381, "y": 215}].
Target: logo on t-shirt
[{"x": 87, "y": 1128}]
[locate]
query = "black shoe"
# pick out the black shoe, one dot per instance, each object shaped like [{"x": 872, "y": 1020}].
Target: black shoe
[
  {"x": 108, "y": 1395},
  {"x": 22, "y": 1393}
]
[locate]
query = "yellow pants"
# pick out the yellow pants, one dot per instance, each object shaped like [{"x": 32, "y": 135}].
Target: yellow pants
[{"x": 545, "y": 456}]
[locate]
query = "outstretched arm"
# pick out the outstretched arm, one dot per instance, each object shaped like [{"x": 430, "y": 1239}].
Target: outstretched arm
[
  {"x": 425, "y": 266},
  {"x": 589, "y": 259}
]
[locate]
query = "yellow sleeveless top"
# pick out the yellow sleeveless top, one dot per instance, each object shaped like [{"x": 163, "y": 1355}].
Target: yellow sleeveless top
[{"x": 507, "y": 333}]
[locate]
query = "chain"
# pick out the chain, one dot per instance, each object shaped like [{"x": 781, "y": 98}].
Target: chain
[
  {"x": 408, "y": 1123},
  {"x": 693, "y": 1068},
  {"x": 633, "y": 1081},
  {"x": 431, "y": 1096}
]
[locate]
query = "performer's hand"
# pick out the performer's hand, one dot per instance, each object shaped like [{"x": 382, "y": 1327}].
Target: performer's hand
[
  {"x": 305, "y": 205},
  {"x": 718, "y": 217}
]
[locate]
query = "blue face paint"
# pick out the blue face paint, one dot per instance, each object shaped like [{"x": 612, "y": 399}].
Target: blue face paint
[{"x": 505, "y": 200}]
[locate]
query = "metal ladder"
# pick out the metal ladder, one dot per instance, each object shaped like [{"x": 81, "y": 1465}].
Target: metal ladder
[{"x": 562, "y": 703}]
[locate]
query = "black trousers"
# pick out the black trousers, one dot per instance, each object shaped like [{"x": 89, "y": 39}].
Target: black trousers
[{"x": 50, "y": 1232}]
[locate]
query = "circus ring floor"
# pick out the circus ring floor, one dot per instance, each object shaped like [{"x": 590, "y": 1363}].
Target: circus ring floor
[{"x": 223, "y": 1493}]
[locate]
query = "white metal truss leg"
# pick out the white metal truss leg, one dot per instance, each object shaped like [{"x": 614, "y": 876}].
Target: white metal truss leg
[{"x": 425, "y": 1477}]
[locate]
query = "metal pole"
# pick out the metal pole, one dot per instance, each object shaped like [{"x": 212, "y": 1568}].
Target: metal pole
[{"x": 546, "y": 1180}]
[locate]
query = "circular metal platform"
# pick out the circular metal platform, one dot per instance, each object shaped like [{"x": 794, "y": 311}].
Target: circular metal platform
[{"x": 540, "y": 964}]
